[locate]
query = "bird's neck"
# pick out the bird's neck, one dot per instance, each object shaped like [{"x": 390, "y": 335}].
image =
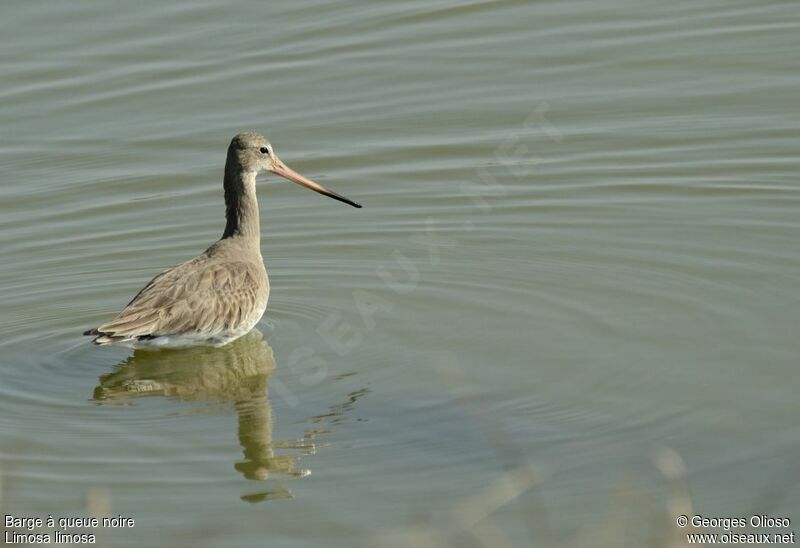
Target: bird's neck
[{"x": 241, "y": 205}]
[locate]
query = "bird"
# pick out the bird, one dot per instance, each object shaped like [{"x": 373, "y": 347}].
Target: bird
[{"x": 222, "y": 293}]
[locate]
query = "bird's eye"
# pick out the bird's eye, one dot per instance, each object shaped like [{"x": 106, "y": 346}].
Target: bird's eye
[{"x": 264, "y": 150}]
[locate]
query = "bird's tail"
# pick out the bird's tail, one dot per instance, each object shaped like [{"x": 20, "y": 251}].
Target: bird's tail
[{"x": 101, "y": 338}]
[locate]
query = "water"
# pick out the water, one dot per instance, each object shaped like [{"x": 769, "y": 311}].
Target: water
[{"x": 575, "y": 276}]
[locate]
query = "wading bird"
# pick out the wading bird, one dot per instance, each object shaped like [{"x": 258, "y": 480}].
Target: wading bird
[{"x": 222, "y": 293}]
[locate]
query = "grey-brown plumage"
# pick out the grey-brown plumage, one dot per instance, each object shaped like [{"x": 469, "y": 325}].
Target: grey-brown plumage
[{"x": 221, "y": 294}]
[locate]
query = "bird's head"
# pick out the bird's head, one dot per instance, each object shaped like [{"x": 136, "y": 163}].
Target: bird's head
[{"x": 254, "y": 153}]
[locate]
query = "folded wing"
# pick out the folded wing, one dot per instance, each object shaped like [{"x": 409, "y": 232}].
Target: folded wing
[{"x": 201, "y": 297}]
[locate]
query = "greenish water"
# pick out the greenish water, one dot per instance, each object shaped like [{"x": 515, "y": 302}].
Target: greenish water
[{"x": 578, "y": 253}]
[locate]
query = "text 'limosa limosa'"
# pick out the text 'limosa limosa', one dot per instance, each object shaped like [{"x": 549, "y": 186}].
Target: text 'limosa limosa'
[{"x": 222, "y": 293}]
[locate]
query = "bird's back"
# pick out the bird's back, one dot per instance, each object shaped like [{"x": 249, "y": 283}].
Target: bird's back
[{"x": 213, "y": 298}]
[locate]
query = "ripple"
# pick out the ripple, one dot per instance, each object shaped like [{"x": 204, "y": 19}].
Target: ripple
[{"x": 601, "y": 221}]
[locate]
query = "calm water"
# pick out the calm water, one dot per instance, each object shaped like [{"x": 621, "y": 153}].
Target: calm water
[{"x": 576, "y": 271}]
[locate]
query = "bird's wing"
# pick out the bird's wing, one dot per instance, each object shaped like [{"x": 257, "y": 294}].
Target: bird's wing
[{"x": 199, "y": 296}]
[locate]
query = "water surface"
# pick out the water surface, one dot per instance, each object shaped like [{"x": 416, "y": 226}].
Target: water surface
[{"x": 577, "y": 260}]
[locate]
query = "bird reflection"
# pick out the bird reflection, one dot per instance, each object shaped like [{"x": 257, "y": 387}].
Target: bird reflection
[{"x": 237, "y": 373}]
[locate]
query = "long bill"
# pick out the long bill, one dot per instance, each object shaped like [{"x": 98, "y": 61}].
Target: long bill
[{"x": 279, "y": 168}]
